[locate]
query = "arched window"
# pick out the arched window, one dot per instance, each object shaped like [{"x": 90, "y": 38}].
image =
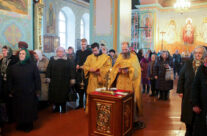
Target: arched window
[
  {"x": 67, "y": 29},
  {"x": 84, "y": 26},
  {"x": 62, "y": 29}
]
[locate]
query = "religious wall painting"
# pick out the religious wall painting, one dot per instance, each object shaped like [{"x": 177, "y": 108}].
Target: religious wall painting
[
  {"x": 203, "y": 30},
  {"x": 51, "y": 43},
  {"x": 17, "y": 6},
  {"x": 146, "y": 27},
  {"x": 135, "y": 31},
  {"x": 171, "y": 33},
  {"x": 51, "y": 19},
  {"x": 13, "y": 34},
  {"x": 188, "y": 31}
]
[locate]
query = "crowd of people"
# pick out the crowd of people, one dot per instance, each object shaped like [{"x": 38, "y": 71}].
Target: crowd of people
[{"x": 29, "y": 80}]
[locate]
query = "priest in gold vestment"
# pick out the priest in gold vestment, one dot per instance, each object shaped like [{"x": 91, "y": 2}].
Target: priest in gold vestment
[
  {"x": 95, "y": 69},
  {"x": 126, "y": 75}
]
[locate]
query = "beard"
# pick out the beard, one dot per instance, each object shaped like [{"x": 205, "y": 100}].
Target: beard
[{"x": 125, "y": 55}]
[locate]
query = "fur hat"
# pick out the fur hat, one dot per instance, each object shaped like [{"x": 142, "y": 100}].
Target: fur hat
[{"x": 22, "y": 44}]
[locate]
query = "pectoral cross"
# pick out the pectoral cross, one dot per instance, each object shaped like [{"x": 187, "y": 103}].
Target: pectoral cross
[{"x": 107, "y": 81}]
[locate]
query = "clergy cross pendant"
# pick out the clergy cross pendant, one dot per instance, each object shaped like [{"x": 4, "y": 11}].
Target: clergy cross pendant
[{"x": 107, "y": 81}]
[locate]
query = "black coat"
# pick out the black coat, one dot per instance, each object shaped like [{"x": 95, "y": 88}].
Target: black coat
[
  {"x": 199, "y": 91},
  {"x": 160, "y": 70},
  {"x": 81, "y": 57},
  {"x": 12, "y": 60},
  {"x": 60, "y": 71},
  {"x": 23, "y": 83},
  {"x": 199, "y": 98},
  {"x": 185, "y": 81}
]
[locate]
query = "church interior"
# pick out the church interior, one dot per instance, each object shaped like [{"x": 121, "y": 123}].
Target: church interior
[{"x": 158, "y": 26}]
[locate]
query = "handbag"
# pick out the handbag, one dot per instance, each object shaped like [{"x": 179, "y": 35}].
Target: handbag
[
  {"x": 72, "y": 94},
  {"x": 169, "y": 74}
]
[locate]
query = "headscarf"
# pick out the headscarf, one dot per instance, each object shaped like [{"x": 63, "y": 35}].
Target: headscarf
[
  {"x": 60, "y": 49},
  {"x": 64, "y": 55},
  {"x": 27, "y": 57},
  {"x": 39, "y": 54}
]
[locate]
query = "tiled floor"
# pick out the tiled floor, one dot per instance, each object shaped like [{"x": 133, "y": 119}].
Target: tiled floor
[{"x": 162, "y": 118}]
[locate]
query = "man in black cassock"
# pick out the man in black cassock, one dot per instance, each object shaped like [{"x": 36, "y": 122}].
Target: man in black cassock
[{"x": 81, "y": 56}]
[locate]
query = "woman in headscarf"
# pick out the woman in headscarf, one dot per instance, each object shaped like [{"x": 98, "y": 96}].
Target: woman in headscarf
[
  {"x": 199, "y": 101},
  {"x": 5, "y": 63},
  {"x": 184, "y": 88},
  {"x": 60, "y": 73},
  {"x": 71, "y": 54},
  {"x": 24, "y": 85},
  {"x": 42, "y": 63},
  {"x": 144, "y": 63},
  {"x": 160, "y": 67}
]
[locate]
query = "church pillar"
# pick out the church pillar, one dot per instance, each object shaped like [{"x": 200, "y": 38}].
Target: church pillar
[
  {"x": 38, "y": 17},
  {"x": 110, "y": 22}
]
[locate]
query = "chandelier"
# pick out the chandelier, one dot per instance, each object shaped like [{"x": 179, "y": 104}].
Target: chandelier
[{"x": 182, "y": 4}]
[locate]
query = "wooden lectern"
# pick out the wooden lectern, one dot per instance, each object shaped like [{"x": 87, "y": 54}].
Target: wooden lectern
[{"x": 111, "y": 115}]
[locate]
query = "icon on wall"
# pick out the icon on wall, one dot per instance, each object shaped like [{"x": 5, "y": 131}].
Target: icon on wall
[
  {"x": 51, "y": 43},
  {"x": 17, "y": 6},
  {"x": 171, "y": 34},
  {"x": 188, "y": 32},
  {"x": 51, "y": 19}
]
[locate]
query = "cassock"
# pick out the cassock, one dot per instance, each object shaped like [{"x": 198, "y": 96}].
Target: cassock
[
  {"x": 130, "y": 81},
  {"x": 101, "y": 63}
]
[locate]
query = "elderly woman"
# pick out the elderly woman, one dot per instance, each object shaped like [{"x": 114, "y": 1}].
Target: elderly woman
[
  {"x": 184, "y": 88},
  {"x": 24, "y": 85},
  {"x": 199, "y": 101},
  {"x": 144, "y": 67},
  {"x": 60, "y": 73},
  {"x": 151, "y": 76},
  {"x": 163, "y": 85},
  {"x": 5, "y": 63},
  {"x": 42, "y": 63}
]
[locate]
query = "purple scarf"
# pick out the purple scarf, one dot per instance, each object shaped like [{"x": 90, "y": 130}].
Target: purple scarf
[{"x": 145, "y": 60}]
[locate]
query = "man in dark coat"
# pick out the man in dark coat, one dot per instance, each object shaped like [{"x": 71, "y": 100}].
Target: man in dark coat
[
  {"x": 199, "y": 101},
  {"x": 60, "y": 73},
  {"x": 184, "y": 88},
  {"x": 161, "y": 65},
  {"x": 176, "y": 63},
  {"x": 24, "y": 84},
  {"x": 81, "y": 56}
]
